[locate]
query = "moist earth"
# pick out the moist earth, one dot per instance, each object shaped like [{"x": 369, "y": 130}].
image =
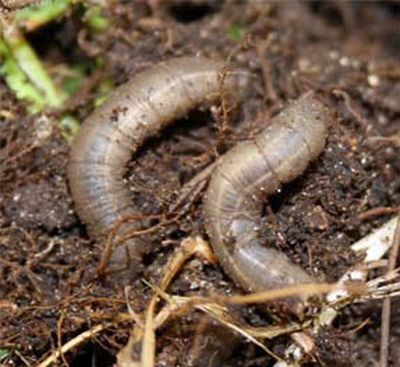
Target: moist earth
[{"x": 348, "y": 52}]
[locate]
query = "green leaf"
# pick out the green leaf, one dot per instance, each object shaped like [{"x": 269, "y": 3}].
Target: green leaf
[
  {"x": 33, "y": 68},
  {"x": 17, "y": 80},
  {"x": 4, "y": 353},
  {"x": 69, "y": 126},
  {"x": 236, "y": 32},
  {"x": 104, "y": 90},
  {"x": 36, "y": 15},
  {"x": 96, "y": 20}
]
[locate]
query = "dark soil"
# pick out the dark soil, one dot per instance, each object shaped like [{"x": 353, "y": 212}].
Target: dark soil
[{"x": 348, "y": 52}]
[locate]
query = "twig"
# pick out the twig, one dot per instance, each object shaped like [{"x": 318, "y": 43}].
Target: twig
[
  {"x": 113, "y": 235},
  {"x": 143, "y": 334},
  {"x": 386, "y": 309},
  {"x": 297, "y": 290},
  {"x": 32, "y": 277},
  {"x": 375, "y": 212},
  {"x": 81, "y": 338},
  {"x": 193, "y": 187},
  {"x": 361, "y": 120},
  {"x": 42, "y": 254},
  {"x": 59, "y": 338},
  {"x": 270, "y": 93},
  {"x": 22, "y": 358},
  {"x": 189, "y": 247}
]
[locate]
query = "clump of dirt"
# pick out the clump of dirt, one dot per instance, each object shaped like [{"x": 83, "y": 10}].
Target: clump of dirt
[
  {"x": 40, "y": 205},
  {"x": 347, "y": 52}
]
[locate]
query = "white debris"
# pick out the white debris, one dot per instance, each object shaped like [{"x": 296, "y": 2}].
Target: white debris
[
  {"x": 373, "y": 80},
  {"x": 378, "y": 242},
  {"x": 375, "y": 245}
]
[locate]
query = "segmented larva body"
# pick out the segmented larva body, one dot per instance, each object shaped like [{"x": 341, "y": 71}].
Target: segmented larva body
[
  {"x": 110, "y": 136},
  {"x": 244, "y": 176},
  {"x": 243, "y": 179}
]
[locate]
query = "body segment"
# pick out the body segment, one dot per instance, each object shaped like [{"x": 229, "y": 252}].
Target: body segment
[
  {"x": 245, "y": 176},
  {"x": 110, "y": 136}
]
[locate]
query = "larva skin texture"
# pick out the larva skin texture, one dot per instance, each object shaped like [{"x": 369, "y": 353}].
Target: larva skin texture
[
  {"x": 243, "y": 179},
  {"x": 112, "y": 133}
]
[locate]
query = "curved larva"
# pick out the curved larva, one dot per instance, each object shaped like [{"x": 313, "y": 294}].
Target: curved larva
[
  {"x": 112, "y": 133},
  {"x": 244, "y": 177}
]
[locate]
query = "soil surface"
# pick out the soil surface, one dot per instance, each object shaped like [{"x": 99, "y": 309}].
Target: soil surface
[{"x": 347, "y": 52}]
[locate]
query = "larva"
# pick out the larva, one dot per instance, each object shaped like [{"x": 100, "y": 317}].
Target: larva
[
  {"x": 110, "y": 136},
  {"x": 244, "y": 177}
]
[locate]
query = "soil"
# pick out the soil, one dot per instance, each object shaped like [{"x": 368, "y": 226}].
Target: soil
[{"x": 348, "y": 52}]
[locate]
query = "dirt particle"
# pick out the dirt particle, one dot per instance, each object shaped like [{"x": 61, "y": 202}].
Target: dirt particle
[
  {"x": 40, "y": 205},
  {"x": 319, "y": 218}
]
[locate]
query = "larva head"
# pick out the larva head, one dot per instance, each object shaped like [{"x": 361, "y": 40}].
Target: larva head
[
  {"x": 311, "y": 118},
  {"x": 295, "y": 137}
]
